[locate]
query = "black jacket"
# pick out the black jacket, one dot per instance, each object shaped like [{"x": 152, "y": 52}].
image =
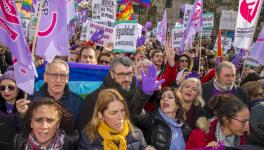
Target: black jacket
[
  {"x": 156, "y": 131},
  {"x": 208, "y": 94},
  {"x": 71, "y": 141},
  {"x": 131, "y": 96},
  {"x": 133, "y": 143}
]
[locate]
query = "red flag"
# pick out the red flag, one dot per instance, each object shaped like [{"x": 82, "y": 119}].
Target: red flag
[{"x": 219, "y": 51}]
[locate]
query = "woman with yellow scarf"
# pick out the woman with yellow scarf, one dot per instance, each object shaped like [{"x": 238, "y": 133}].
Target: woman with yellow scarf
[{"x": 110, "y": 127}]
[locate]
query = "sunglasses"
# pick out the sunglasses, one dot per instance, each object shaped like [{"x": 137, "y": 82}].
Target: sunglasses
[
  {"x": 9, "y": 88},
  {"x": 103, "y": 62},
  {"x": 184, "y": 60}
]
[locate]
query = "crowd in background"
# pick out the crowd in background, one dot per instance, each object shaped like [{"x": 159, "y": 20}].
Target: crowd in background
[{"x": 151, "y": 99}]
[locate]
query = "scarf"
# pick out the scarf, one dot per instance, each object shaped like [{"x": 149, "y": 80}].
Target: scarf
[
  {"x": 55, "y": 144},
  {"x": 177, "y": 140},
  {"x": 230, "y": 141},
  {"x": 113, "y": 138}
]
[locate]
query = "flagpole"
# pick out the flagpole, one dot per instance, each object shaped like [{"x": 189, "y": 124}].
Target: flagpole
[
  {"x": 200, "y": 50},
  {"x": 36, "y": 32}
]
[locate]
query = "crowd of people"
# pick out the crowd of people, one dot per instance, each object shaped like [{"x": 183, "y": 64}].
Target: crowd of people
[{"x": 154, "y": 99}]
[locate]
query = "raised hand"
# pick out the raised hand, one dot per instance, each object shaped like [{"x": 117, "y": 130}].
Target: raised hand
[
  {"x": 97, "y": 35},
  {"x": 149, "y": 83},
  {"x": 140, "y": 41},
  {"x": 22, "y": 106},
  {"x": 170, "y": 53}
]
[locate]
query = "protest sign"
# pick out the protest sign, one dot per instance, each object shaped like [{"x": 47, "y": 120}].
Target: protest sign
[
  {"x": 84, "y": 31},
  {"x": 176, "y": 36},
  {"x": 187, "y": 11},
  {"x": 247, "y": 19},
  {"x": 228, "y": 20},
  {"x": 104, "y": 12},
  {"x": 108, "y": 33},
  {"x": 125, "y": 37},
  {"x": 208, "y": 20}
]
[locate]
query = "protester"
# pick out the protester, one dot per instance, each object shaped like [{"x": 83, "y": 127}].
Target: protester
[
  {"x": 88, "y": 55},
  {"x": 110, "y": 127},
  {"x": 229, "y": 127},
  {"x": 190, "y": 93},
  {"x": 46, "y": 125},
  {"x": 104, "y": 58},
  {"x": 184, "y": 69},
  {"x": 5, "y": 58},
  {"x": 165, "y": 128},
  {"x": 121, "y": 77},
  {"x": 256, "y": 123},
  {"x": 224, "y": 83},
  {"x": 10, "y": 93},
  {"x": 255, "y": 92},
  {"x": 56, "y": 77}
]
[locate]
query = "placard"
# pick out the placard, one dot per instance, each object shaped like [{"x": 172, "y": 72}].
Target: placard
[
  {"x": 176, "y": 36},
  {"x": 108, "y": 33},
  {"x": 125, "y": 37}
]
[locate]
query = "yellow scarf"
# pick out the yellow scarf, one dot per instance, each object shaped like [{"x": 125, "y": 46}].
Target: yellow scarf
[{"x": 111, "y": 136}]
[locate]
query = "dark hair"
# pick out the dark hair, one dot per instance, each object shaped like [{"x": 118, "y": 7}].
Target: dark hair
[
  {"x": 253, "y": 76},
  {"x": 2, "y": 101},
  {"x": 226, "y": 105},
  {"x": 180, "y": 114},
  {"x": 190, "y": 61},
  {"x": 87, "y": 47},
  {"x": 107, "y": 54},
  {"x": 66, "y": 121}
]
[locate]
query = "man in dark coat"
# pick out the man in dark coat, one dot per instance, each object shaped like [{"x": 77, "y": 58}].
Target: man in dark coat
[
  {"x": 224, "y": 83},
  {"x": 121, "y": 77}
]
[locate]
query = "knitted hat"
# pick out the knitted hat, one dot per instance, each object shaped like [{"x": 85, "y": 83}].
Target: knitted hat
[
  {"x": 9, "y": 74},
  {"x": 256, "y": 120}
]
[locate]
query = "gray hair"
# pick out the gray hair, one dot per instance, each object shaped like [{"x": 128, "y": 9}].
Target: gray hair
[
  {"x": 123, "y": 60},
  {"x": 57, "y": 61},
  {"x": 223, "y": 64}
]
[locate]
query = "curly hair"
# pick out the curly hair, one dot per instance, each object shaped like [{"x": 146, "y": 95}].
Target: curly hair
[
  {"x": 180, "y": 114},
  {"x": 65, "y": 118}
]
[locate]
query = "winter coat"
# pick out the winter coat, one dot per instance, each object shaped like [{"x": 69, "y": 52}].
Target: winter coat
[
  {"x": 71, "y": 141},
  {"x": 131, "y": 97},
  {"x": 134, "y": 142}
]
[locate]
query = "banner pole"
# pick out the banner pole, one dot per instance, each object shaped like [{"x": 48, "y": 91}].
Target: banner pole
[
  {"x": 36, "y": 32},
  {"x": 244, "y": 65}
]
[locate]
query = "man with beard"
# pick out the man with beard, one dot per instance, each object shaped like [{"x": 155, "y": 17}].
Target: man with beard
[
  {"x": 223, "y": 83},
  {"x": 165, "y": 65},
  {"x": 121, "y": 77}
]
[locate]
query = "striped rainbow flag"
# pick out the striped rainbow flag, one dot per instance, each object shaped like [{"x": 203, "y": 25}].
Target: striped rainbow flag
[
  {"x": 27, "y": 5},
  {"x": 84, "y": 78}
]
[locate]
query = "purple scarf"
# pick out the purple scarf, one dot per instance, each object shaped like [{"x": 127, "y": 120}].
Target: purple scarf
[{"x": 55, "y": 144}]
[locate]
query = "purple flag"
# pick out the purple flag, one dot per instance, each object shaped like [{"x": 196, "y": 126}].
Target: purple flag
[
  {"x": 162, "y": 29},
  {"x": 194, "y": 24},
  {"x": 52, "y": 35},
  {"x": 257, "y": 51},
  {"x": 12, "y": 35}
]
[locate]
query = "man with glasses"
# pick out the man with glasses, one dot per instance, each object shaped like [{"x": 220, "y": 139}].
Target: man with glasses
[
  {"x": 121, "y": 77},
  {"x": 56, "y": 77}
]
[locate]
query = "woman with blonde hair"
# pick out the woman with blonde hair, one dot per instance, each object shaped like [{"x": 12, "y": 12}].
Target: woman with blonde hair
[
  {"x": 190, "y": 93},
  {"x": 110, "y": 127}
]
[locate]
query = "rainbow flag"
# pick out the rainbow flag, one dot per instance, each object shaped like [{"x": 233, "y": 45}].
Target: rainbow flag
[
  {"x": 125, "y": 11},
  {"x": 145, "y": 3},
  {"x": 27, "y": 5},
  {"x": 84, "y": 78}
]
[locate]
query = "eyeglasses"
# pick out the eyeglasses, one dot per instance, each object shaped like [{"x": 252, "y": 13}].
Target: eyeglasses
[
  {"x": 103, "y": 62},
  {"x": 183, "y": 60},
  {"x": 9, "y": 88},
  {"x": 243, "y": 122},
  {"x": 123, "y": 74},
  {"x": 56, "y": 75}
]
